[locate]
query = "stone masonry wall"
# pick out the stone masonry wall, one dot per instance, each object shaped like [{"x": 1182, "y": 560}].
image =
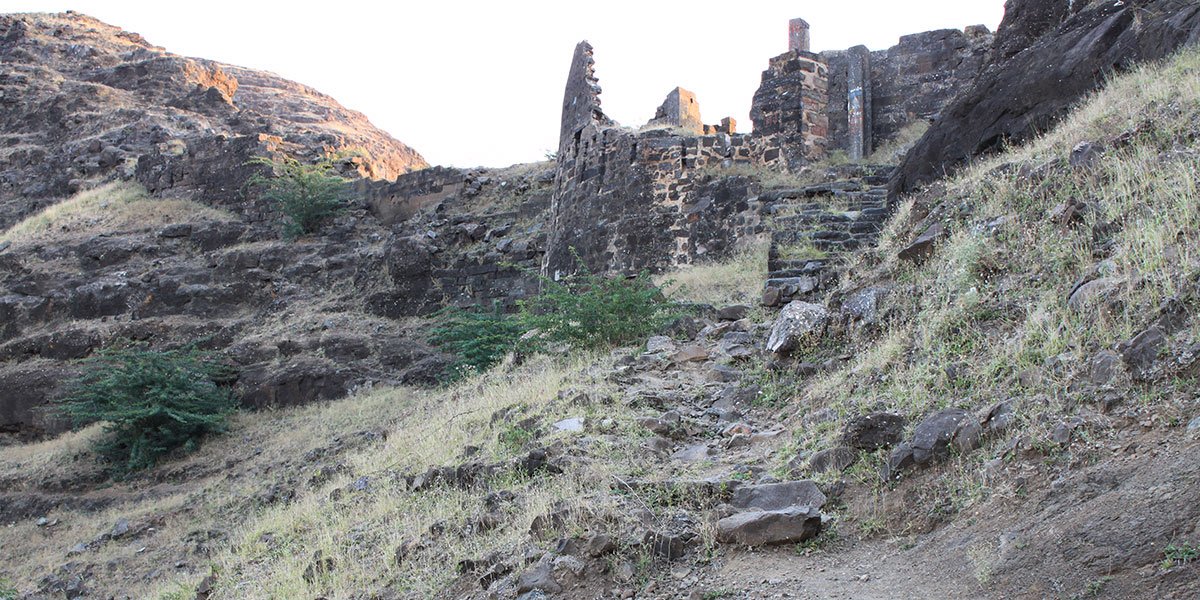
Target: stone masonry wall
[
  {"x": 913, "y": 80},
  {"x": 789, "y": 111},
  {"x": 626, "y": 201}
]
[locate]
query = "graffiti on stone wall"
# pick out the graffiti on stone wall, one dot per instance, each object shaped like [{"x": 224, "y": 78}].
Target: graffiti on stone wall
[{"x": 854, "y": 108}]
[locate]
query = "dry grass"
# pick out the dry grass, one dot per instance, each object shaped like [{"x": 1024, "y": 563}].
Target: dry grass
[
  {"x": 362, "y": 532},
  {"x": 893, "y": 150},
  {"x": 116, "y": 206},
  {"x": 993, "y": 301},
  {"x": 733, "y": 280}
]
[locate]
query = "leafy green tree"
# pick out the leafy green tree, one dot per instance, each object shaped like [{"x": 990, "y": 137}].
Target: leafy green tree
[
  {"x": 307, "y": 195},
  {"x": 153, "y": 401}
]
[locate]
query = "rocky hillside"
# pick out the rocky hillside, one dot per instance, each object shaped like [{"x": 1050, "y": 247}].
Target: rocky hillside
[
  {"x": 85, "y": 101},
  {"x": 995, "y": 397}
]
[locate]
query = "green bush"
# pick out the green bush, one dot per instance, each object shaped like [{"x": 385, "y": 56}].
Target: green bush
[
  {"x": 592, "y": 311},
  {"x": 585, "y": 310},
  {"x": 479, "y": 337},
  {"x": 153, "y": 401},
  {"x": 307, "y": 195}
]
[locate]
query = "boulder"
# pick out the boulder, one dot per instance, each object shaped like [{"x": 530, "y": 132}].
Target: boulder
[
  {"x": 758, "y": 528},
  {"x": 799, "y": 323},
  {"x": 873, "y": 431},
  {"x": 1088, "y": 295},
  {"x": 776, "y": 496},
  {"x": 923, "y": 246},
  {"x": 863, "y": 305},
  {"x": 1104, "y": 366},
  {"x": 900, "y": 459},
  {"x": 931, "y": 439},
  {"x": 733, "y": 312},
  {"x": 1141, "y": 352},
  {"x": 538, "y": 578}
]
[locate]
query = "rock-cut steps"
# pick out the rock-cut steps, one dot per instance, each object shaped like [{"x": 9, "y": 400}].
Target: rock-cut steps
[{"x": 815, "y": 228}]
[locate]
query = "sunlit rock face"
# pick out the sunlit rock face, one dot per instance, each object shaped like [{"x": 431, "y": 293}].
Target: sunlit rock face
[{"x": 85, "y": 101}]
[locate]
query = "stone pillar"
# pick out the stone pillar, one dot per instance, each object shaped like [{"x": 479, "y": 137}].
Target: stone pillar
[
  {"x": 858, "y": 102},
  {"x": 798, "y": 35}
]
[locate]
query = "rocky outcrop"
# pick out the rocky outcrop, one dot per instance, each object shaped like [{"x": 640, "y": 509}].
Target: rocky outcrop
[
  {"x": 85, "y": 101},
  {"x": 1039, "y": 70}
]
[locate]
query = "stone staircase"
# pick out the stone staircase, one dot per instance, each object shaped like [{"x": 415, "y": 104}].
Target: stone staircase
[{"x": 815, "y": 228}]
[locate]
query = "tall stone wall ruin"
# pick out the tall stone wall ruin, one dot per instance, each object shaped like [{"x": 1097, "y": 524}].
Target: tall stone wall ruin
[
  {"x": 789, "y": 110},
  {"x": 627, "y": 200}
]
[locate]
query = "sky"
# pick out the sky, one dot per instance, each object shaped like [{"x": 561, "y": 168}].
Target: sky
[{"x": 480, "y": 83}]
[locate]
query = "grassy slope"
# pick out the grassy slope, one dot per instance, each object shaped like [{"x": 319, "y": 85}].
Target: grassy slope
[
  {"x": 995, "y": 302},
  {"x": 986, "y": 319},
  {"x": 117, "y": 206}
]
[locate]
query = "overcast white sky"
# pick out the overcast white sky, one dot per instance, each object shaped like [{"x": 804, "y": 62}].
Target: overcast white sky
[{"x": 474, "y": 83}]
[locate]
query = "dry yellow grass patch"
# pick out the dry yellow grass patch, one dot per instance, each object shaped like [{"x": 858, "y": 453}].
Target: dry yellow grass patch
[
  {"x": 116, "y": 206},
  {"x": 736, "y": 279}
]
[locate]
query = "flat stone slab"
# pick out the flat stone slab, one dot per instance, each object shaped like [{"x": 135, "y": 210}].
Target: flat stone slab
[
  {"x": 778, "y": 496},
  {"x": 759, "y": 528}
]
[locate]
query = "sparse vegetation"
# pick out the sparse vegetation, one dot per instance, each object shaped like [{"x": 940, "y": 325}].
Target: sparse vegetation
[
  {"x": 995, "y": 298},
  {"x": 586, "y": 310},
  {"x": 891, "y": 151},
  {"x": 728, "y": 281},
  {"x": 307, "y": 195},
  {"x": 1179, "y": 554},
  {"x": 153, "y": 401}
]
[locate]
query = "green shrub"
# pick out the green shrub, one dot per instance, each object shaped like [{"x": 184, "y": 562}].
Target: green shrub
[
  {"x": 585, "y": 310},
  {"x": 592, "y": 311},
  {"x": 479, "y": 337},
  {"x": 153, "y": 401},
  {"x": 307, "y": 195}
]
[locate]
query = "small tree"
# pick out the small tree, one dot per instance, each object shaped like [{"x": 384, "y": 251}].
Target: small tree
[
  {"x": 479, "y": 337},
  {"x": 307, "y": 195},
  {"x": 592, "y": 311},
  {"x": 153, "y": 401}
]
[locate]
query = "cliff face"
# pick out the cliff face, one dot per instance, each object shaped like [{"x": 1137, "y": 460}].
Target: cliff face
[
  {"x": 1047, "y": 56},
  {"x": 85, "y": 101}
]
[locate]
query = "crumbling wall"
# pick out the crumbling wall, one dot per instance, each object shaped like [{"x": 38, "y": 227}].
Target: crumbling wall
[
  {"x": 911, "y": 81},
  {"x": 920, "y": 76},
  {"x": 681, "y": 110},
  {"x": 626, "y": 201},
  {"x": 397, "y": 201},
  {"x": 852, "y": 101}
]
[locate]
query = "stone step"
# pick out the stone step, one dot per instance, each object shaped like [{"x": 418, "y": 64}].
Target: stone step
[
  {"x": 849, "y": 204},
  {"x": 828, "y": 221}
]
